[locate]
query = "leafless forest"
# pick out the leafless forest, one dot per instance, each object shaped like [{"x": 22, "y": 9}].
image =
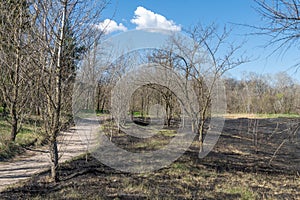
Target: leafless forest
[{"x": 46, "y": 45}]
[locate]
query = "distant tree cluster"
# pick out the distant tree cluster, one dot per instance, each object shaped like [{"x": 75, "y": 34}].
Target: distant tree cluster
[
  {"x": 263, "y": 94},
  {"x": 252, "y": 94}
]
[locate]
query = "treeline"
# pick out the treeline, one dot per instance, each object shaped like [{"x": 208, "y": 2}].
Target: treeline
[
  {"x": 263, "y": 94},
  {"x": 254, "y": 93}
]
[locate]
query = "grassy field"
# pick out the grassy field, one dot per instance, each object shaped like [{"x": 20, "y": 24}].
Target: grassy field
[
  {"x": 260, "y": 116},
  {"x": 29, "y": 134},
  {"x": 233, "y": 170}
]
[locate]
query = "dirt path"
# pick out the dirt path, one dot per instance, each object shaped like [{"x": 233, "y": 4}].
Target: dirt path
[{"x": 70, "y": 143}]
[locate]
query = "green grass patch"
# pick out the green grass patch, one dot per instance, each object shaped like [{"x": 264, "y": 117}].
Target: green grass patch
[
  {"x": 4, "y": 126},
  {"x": 244, "y": 193},
  {"x": 180, "y": 166},
  {"x": 9, "y": 150},
  {"x": 150, "y": 145},
  {"x": 26, "y": 138},
  {"x": 156, "y": 142},
  {"x": 168, "y": 133},
  {"x": 278, "y": 115},
  {"x": 4, "y": 130},
  {"x": 30, "y": 134},
  {"x": 137, "y": 114},
  {"x": 261, "y": 116},
  {"x": 102, "y": 112}
]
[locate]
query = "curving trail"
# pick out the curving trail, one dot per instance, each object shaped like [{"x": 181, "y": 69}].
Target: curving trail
[{"x": 71, "y": 143}]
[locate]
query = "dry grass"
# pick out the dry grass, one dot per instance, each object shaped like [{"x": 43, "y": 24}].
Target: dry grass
[
  {"x": 259, "y": 116},
  {"x": 230, "y": 171}
]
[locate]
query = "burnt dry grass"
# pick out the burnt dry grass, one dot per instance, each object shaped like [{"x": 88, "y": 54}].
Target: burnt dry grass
[{"x": 237, "y": 168}]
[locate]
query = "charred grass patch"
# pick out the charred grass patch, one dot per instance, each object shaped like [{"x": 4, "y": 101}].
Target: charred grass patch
[{"x": 233, "y": 170}]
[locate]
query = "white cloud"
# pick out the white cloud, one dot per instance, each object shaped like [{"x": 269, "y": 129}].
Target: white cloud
[
  {"x": 109, "y": 26},
  {"x": 144, "y": 19}
]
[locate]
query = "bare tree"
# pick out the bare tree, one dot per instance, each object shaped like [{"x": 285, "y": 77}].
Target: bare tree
[
  {"x": 204, "y": 71},
  {"x": 54, "y": 20},
  {"x": 282, "y": 22},
  {"x": 285, "y": 92},
  {"x": 168, "y": 60},
  {"x": 15, "y": 60}
]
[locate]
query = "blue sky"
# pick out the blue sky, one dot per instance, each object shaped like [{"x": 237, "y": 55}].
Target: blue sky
[{"x": 182, "y": 14}]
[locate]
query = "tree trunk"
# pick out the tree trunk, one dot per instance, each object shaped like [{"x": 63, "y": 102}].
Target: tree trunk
[
  {"x": 169, "y": 116},
  {"x": 13, "y": 112},
  {"x": 169, "y": 121},
  {"x": 4, "y": 110},
  {"x": 168, "y": 113},
  {"x": 98, "y": 98},
  {"x": 14, "y": 125},
  {"x": 102, "y": 107},
  {"x": 201, "y": 125},
  {"x": 54, "y": 133},
  {"x": 142, "y": 111},
  {"x": 201, "y": 131},
  {"x": 58, "y": 96},
  {"x": 54, "y": 158}
]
